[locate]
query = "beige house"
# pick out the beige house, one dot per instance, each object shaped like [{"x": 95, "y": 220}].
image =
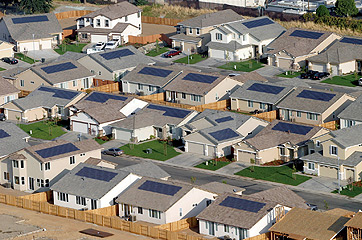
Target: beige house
[
  {"x": 6, "y": 49},
  {"x": 7, "y": 91}
]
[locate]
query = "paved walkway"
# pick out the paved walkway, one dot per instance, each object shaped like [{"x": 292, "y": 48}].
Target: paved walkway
[
  {"x": 188, "y": 159},
  {"x": 233, "y": 168}
]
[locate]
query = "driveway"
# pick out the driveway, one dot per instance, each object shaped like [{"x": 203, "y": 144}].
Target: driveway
[
  {"x": 20, "y": 64},
  {"x": 233, "y": 168},
  {"x": 188, "y": 159},
  {"x": 48, "y": 54},
  {"x": 116, "y": 143},
  {"x": 74, "y": 136},
  {"x": 269, "y": 71},
  {"x": 321, "y": 184}
]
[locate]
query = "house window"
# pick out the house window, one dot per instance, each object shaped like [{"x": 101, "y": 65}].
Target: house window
[
  {"x": 38, "y": 182},
  {"x": 333, "y": 150},
  {"x": 282, "y": 151},
  {"x": 21, "y": 83},
  {"x": 63, "y": 85},
  {"x": 82, "y": 154},
  {"x": 47, "y": 166},
  {"x": 190, "y": 30},
  {"x": 218, "y": 36},
  {"x": 250, "y": 104},
  {"x": 80, "y": 201},
  {"x": 61, "y": 110},
  {"x": 74, "y": 83},
  {"x": 21, "y": 164},
  {"x": 311, "y": 166},
  {"x": 84, "y": 35},
  {"x": 183, "y": 95},
  {"x": 180, "y": 212},
  {"x": 46, "y": 182},
  {"x": 106, "y": 23},
  {"x": 126, "y": 18},
  {"x": 244, "y": 37},
  {"x": 140, "y": 86},
  {"x": 6, "y": 176},
  {"x": 262, "y": 105},
  {"x": 99, "y": 73},
  {"x": 299, "y": 114},
  {"x": 312, "y": 116},
  {"x": 16, "y": 180},
  {"x": 22, "y": 180},
  {"x": 318, "y": 143},
  {"x": 208, "y": 202},
  {"x": 41, "y": 167},
  {"x": 98, "y": 22},
  {"x": 42, "y": 183},
  {"x": 16, "y": 164},
  {"x": 72, "y": 160},
  {"x": 349, "y": 123},
  {"x": 63, "y": 197},
  {"x": 216, "y": 96},
  {"x": 195, "y": 98},
  {"x": 198, "y": 31},
  {"x": 154, "y": 214},
  {"x": 140, "y": 210},
  {"x": 226, "y": 228}
]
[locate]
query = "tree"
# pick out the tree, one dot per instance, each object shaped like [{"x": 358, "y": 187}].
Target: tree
[
  {"x": 346, "y": 8},
  {"x": 6, "y": 3},
  {"x": 252, "y": 161},
  {"x": 35, "y": 6},
  {"x": 322, "y": 11}
]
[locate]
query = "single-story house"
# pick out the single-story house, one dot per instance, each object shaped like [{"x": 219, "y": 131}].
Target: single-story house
[
  {"x": 352, "y": 114},
  {"x": 6, "y": 49},
  {"x": 147, "y": 169},
  {"x": 12, "y": 139},
  {"x": 7, "y": 91}
]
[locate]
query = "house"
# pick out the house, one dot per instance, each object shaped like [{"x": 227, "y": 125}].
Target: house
[
  {"x": 6, "y": 49},
  {"x": 342, "y": 57},
  {"x": 354, "y": 226},
  {"x": 193, "y": 34},
  {"x": 278, "y": 141},
  {"x": 91, "y": 187},
  {"x": 147, "y": 169},
  {"x": 212, "y": 132},
  {"x": 352, "y": 114},
  {"x": 337, "y": 151},
  {"x": 313, "y": 106},
  {"x": 116, "y": 21},
  {"x": 160, "y": 202},
  {"x": 222, "y": 188},
  {"x": 38, "y": 167},
  {"x": 31, "y": 32},
  {"x": 100, "y": 163},
  {"x": 43, "y": 103},
  {"x": 243, "y": 39},
  {"x": 95, "y": 112},
  {"x": 292, "y": 48},
  {"x": 153, "y": 121},
  {"x": 256, "y": 96},
  {"x": 305, "y": 224},
  {"x": 12, "y": 139},
  {"x": 7, "y": 91}
]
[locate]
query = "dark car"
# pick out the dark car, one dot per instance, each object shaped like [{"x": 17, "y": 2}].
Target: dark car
[
  {"x": 113, "y": 151},
  {"x": 9, "y": 60},
  {"x": 312, "y": 207},
  {"x": 2, "y": 117},
  {"x": 308, "y": 74},
  {"x": 319, "y": 75},
  {"x": 171, "y": 53}
]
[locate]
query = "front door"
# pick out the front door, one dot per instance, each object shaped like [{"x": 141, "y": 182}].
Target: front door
[
  {"x": 291, "y": 154},
  {"x": 173, "y": 96},
  {"x": 93, "y": 204},
  {"x": 31, "y": 183}
]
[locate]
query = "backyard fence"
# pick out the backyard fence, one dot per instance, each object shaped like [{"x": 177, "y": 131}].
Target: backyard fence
[
  {"x": 68, "y": 33},
  {"x": 72, "y": 14},
  {"x": 267, "y": 116},
  {"x": 24, "y": 93},
  {"x": 106, "y": 211},
  {"x": 100, "y": 82},
  {"x": 332, "y": 125},
  {"x": 265, "y": 236},
  {"x": 160, "y": 21},
  {"x": 109, "y": 88},
  {"x": 154, "y": 97},
  {"x": 39, "y": 197},
  {"x": 149, "y": 39},
  {"x": 220, "y": 105},
  {"x": 180, "y": 225}
]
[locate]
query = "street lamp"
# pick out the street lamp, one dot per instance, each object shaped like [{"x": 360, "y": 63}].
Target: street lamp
[
  {"x": 339, "y": 177},
  {"x": 34, "y": 46}
]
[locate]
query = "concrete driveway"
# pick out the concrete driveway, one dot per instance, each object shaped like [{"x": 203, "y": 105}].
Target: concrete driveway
[
  {"x": 322, "y": 184},
  {"x": 74, "y": 136},
  {"x": 48, "y": 54},
  {"x": 20, "y": 64},
  {"x": 188, "y": 159}
]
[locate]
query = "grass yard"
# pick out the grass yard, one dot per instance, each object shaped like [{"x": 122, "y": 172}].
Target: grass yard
[
  {"x": 194, "y": 58},
  {"x": 290, "y": 74},
  {"x": 350, "y": 193},
  {"x": 347, "y": 80},
  {"x": 24, "y": 58},
  {"x": 157, "y": 150},
  {"x": 281, "y": 174},
  {"x": 2, "y": 69},
  {"x": 70, "y": 48},
  {"x": 154, "y": 52},
  {"x": 246, "y": 66},
  {"x": 41, "y": 130},
  {"x": 100, "y": 141},
  {"x": 213, "y": 166}
]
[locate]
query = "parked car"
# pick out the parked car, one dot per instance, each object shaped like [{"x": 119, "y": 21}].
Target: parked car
[
  {"x": 111, "y": 45},
  {"x": 312, "y": 207},
  {"x": 100, "y": 45},
  {"x": 319, "y": 75},
  {"x": 2, "y": 117},
  {"x": 9, "y": 60},
  {"x": 360, "y": 82},
  {"x": 94, "y": 50},
  {"x": 308, "y": 74},
  {"x": 113, "y": 151},
  {"x": 171, "y": 53}
]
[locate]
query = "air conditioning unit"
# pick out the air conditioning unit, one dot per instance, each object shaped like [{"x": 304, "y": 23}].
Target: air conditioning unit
[{"x": 132, "y": 218}]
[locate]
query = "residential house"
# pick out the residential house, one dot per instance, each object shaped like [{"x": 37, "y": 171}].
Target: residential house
[
  {"x": 255, "y": 96},
  {"x": 222, "y": 188},
  {"x": 116, "y": 21},
  {"x": 101, "y": 163},
  {"x": 31, "y": 32},
  {"x": 352, "y": 114},
  {"x": 43, "y": 103},
  {"x": 7, "y": 91},
  {"x": 193, "y": 34},
  {"x": 91, "y": 187},
  {"x": 153, "y": 121},
  {"x": 147, "y": 169},
  {"x": 38, "y": 167},
  {"x": 292, "y": 48},
  {"x": 278, "y": 141},
  {"x": 305, "y": 224},
  {"x": 337, "y": 151},
  {"x": 12, "y": 139},
  {"x": 160, "y": 202},
  {"x": 212, "y": 132},
  {"x": 214, "y": 4},
  {"x": 314, "y": 107},
  {"x": 354, "y": 226},
  {"x": 243, "y": 39},
  {"x": 6, "y": 49}
]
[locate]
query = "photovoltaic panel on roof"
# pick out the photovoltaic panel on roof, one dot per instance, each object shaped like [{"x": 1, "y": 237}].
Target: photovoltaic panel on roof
[
  {"x": 59, "y": 93},
  {"x": 103, "y": 97},
  {"x": 242, "y": 204},
  {"x": 224, "y": 134},
  {"x": 224, "y": 119},
  {"x": 306, "y": 34},
  {"x": 30, "y": 19},
  {"x": 57, "y": 150},
  {"x": 117, "y": 54},
  {"x": 259, "y": 87},
  {"x": 195, "y": 77},
  {"x": 320, "y": 96},
  {"x": 351, "y": 40},
  {"x": 169, "y": 111},
  {"x": 59, "y": 67},
  {"x": 155, "y": 72},
  {"x": 3, "y": 134},
  {"x": 258, "y": 23},
  {"x": 292, "y": 128},
  {"x": 96, "y": 174},
  {"x": 158, "y": 187}
]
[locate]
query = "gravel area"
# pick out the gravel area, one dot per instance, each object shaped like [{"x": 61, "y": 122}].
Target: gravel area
[{"x": 12, "y": 226}]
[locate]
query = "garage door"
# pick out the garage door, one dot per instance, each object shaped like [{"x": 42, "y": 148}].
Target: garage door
[
  {"x": 349, "y": 174},
  {"x": 325, "y": 171},
  {"x": 195, "y": 148},
  {"x": 217, "y": 53},
  {"x": 319, "y": 67},
  {"x": 123, "y": 135},
  {"x": 285, "y": 63},
  {"x": 245, "y": 156},
  {"x": 99, "y": 38},
  {"x": 211, "y": 151},
  {"x": 80, "y": 127}
]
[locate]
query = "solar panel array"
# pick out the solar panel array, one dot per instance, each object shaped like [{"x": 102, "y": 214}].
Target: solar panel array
[
  {"x": 103, "y": 97},
  {"x": 158, "y": 187},
  {"x": 306, "y": 34},
  {"x": 59, "y": 93},
  {"x": 59, "y": 67},
  {"x": 3, "y": 134},
  {"x": 117, "y": 54},
  {"x": 57, "y": 150},
  {"x": 259, "y": 87},
  {"x": 170, "y": 112},
  {"x": 195, "y": 77},
  {"x": 96, "y": 174},
  {"x": 155, "y": 72},
  {"x": 292, "y": 128},
  {"x": 224, "y": 134},
  {"x": 351, "y": 40},
  {"x": 320, "y": 96},
  {"x": 242, "y": 204},
  {"x": 258, "y": 23},
  {"x": 224, "y": 119},
  {"x": 30, "y": 19}
]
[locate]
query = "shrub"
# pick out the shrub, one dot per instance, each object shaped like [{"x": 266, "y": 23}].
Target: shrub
[{"x": 322, "y": 11}]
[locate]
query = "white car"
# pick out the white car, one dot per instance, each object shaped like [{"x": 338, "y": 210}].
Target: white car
[
  {"x": 93, "y": 50},
  {"x": 111, "y": 45},
  {"x": 100, "y": 45}
]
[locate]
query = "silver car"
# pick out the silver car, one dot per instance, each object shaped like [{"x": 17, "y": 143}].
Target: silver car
[{"x": 113, "y": 151}]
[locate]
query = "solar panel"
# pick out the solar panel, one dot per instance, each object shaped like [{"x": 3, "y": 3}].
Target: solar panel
[
  {"x": 57, "y": 150},
  {"x": 117, "y": 54},
  {"x": 258, "y": 23},
  {"x": 155, "y": 72},
  {"x": 195, "y": 77},
  {"x": 96, "y": 174},
  {"x": 104, "y": 97},
  {"x": 224, "y": 134},
  {"x": 351, "y": 40},
  {"x": 224, "y": 119},
  {"x": 157, "y": 187},
  {"x": 306, "y": 34},
  {"x": 170, "y": 112},
  {"x": 59, "y": 93},
  {"x": 258, "y": 87},
  {"x": 242, "y": 204},
  {"x": 320, "y": 96},
  {"x": 59, "y": 67},
  {"x": 30, "y": 19},
  {"x": 292, "y": 128},
  {"x": 3, "y": 134}
]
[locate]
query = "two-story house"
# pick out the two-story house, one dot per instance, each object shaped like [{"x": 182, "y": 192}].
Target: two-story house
[
  {"x": 116, "y": 21},
  {"x": 352, "y": 114},
  {"x": 7, "y": 91}
]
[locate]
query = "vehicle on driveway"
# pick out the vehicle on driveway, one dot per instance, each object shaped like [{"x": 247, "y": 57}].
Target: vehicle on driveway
[
  {"x": 113, "y": 151},
  {"x": 308, "y": 74},
  {"x": 171, "y": 53},
  {"x": 319, "y": 75},
  {"x": 10, "y": 60},
  {"x": 100, "y": 45},
  {"x": 111, "y": 45},
  {"x": 2, "y": 117},
  {"x": 312, "y": 207}
]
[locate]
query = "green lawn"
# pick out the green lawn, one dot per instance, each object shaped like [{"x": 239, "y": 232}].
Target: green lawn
[
  {"x": 290, "y": 74},
  {"x": 347, "y": 80},
  {"x": 157, "y": 150},
  {"x": 71, "y": 48},
  {"x": 154, "y": 52},
  {"x": 24, "y": 58},
  {"x": 193, "y": 58},
  {"x": 246, "y": 66},
  {"x": 281, "y": 174},
  {"x": 350, "y": 193},
  {"x": 2, "y": 69},
  {"x": 211, "y": 166},
  {"x": 41, "y": 130},
  {"x": 100, "y": 141}
]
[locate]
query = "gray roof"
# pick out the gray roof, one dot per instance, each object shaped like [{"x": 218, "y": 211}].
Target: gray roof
[
  {"x": 353, "y": 160},
  {"x": 221, "y": 188},
  {"x": 88, "y": 187},
  {"x": 242, "y": 92},
  {"x": 230, "y": 46},
  {"x": 212, "y": 19},
  {"x": 15, "y": 141},
  {"x": 70, "y": 56},
  {"x": 25, "y": 31},
  {"x": 186, "y": 38},
  {"x": 7, "y": 88},
  {"x": 294, "y": 82},
  {"x": 147, "y": 169},
  {"x": 348, "y": 137},
  {"x": 353, "y": 111},
  {"x": 118, "y": 28},
  {"x": 115, "y": 11}
]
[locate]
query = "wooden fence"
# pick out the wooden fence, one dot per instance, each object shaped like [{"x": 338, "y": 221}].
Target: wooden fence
[
  {"x": 265, "y": 236},
  {"x": 144, "y": 39},
  {"x": 100, "y": 82},
  {"x": 68, "y": 33},
  {"x": 72, "y": 14},
  {"x": 180, "y": 225},
  {"x": 160, "y": 21},
  {"x": 221, "y": 105},
  {"x": 267, "y": 116},
  {"x": 107, "y": 211},
  {"x": 24, "y": 93},
  {"x": 109, "y": 88},
  {"x": 39, "y": 197},
  {"x": 332, "y": 125},
  {"x": 154, "y": 97}
]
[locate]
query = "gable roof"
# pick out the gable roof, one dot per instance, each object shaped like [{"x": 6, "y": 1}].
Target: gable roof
[
  {"x": 347, "y": 137},
  {"x": 115, "y": 11},
  {"x": 147, "y": 169},
  {"x": 353, "y": 111},
  {"x": 7, "y": 88},
  {"x": 353, "y": 160},
  {"x": 222, "y": 188},
  {"x": 249, "y": 76},
  {"x": 98, "y": 162},
  {"x": 356, "y": 221},
  {"x": 118, "y": 28},
  {"x": 13, "y": 138}
]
